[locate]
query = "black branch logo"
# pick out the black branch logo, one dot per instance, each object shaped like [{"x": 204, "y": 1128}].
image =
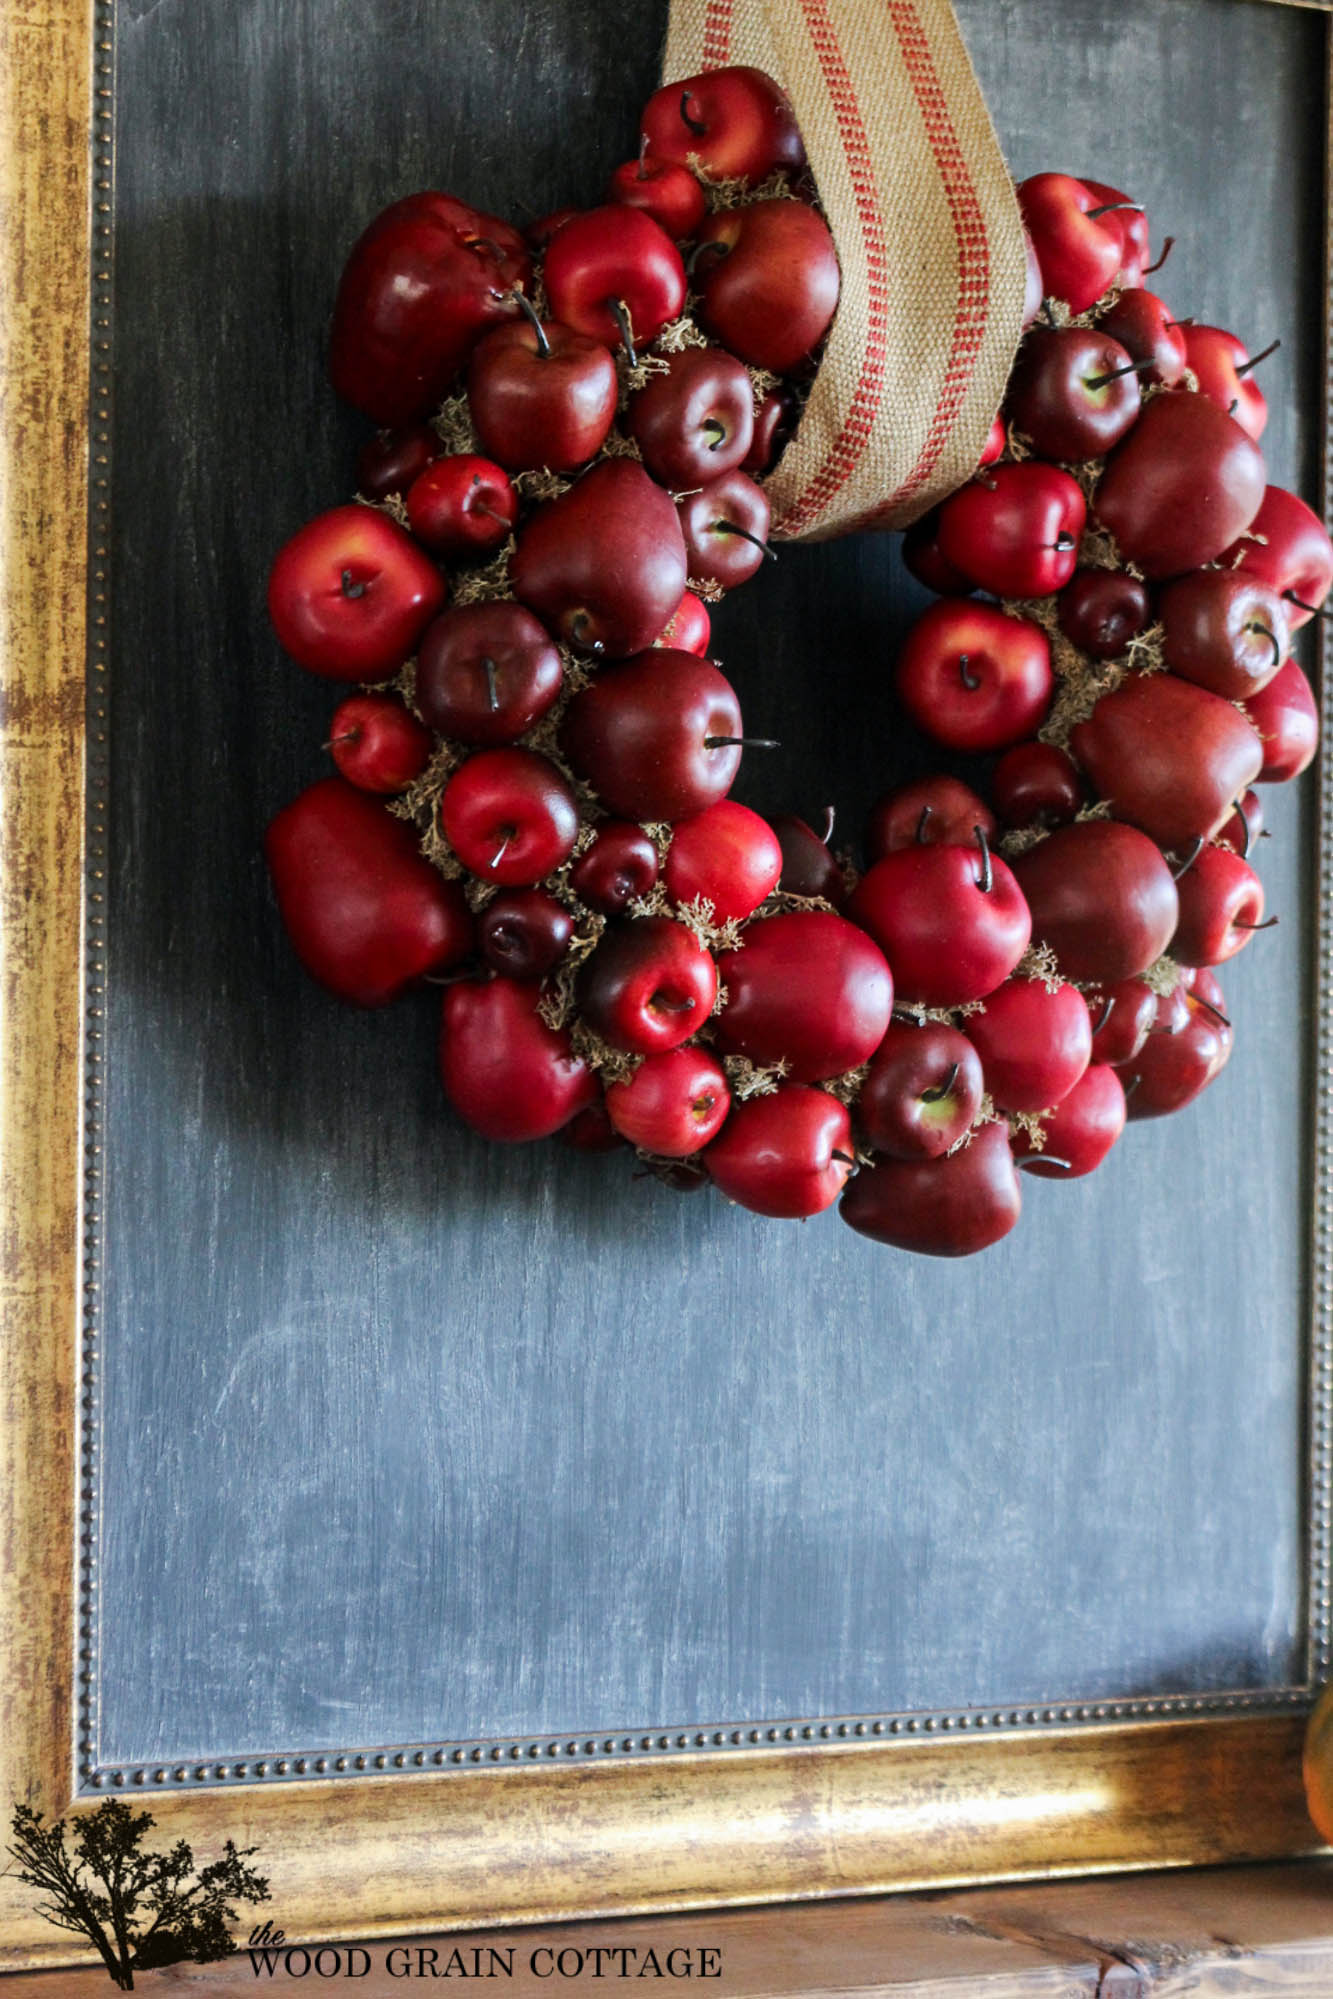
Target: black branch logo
[{"x": 140, "y": 1909}]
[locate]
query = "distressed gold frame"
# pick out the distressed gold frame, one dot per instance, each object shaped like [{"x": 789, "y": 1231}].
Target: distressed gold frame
[{"x": 804, "y": 1811}]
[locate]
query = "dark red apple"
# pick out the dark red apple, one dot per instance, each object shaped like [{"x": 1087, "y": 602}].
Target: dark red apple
[
  {"x": 541, "y": 395},
  {"x": 768, "y": 282},
  {"x": 604, "y": 565},
  {"x": 952, "y": 1206},
  {"x": 1184, "y": 484},
  {"x": 1148, "y": 331},
  {"x": 657, "y": 737},
  {"x": 621, "y": 864},
  {"x": 1073, "y": 392},
  {"x": 787, "y": 1154},
  {"x": 1036, "y": 784},
  {"x": 1123, "y": 1015},
  {"x": 736, "y": 122},
  {"x": 486, "y": 673},
  {"x": 1224, "y": 631},
  {"x": 922, "y": 1092},
  {"x": 648, "y": 986},
  {"x": 1168, "y": 756},
  {"x": 973, "y": 677},
  {"x": 1101, "y": 610},
  {"x": 1286, "y": 717},
  {"x": 929, "y": 811},
  {"x": 809, "y": 868},
  {"x": 725, "y": 525},
  {"x": 695, "y": 420},
  {"x": 394, "y": 458},
  {"x": 421, "y": 286},
  {"x": 1102, "y": 897},
  {"x": 1171, "y": 1070},
  {"x": 524, "y": 933}
]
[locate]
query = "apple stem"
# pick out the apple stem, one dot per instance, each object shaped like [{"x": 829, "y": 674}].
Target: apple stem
[
  {"x": 731, "y": 527},
  {"x": 348, "y": 736},
  {"x": 534, "y": 321},
  {"x": 501, "y": 850},
  {"x": 741, "y": 743},
  {"x": 697, "y": 125},
  {"x": 926, "y": 811},
  {"x": 1216, "y": 1011},
  {"x": 1064, "y": 541},
  {"x": 987, "y": 880},
  {"x": 660, "y": 1004},
  {"x": 1113, "y": 208},
  {"x": 939, "y": 1091},
  {"x": 830, "y": 814},
  {"x": 846, "y": 1159},
  {"x": 492, "y": 691},
  {"x": 451, "y": 978},
  {"x": 578, "y": 625},
  {"x": 1168, "y": 245},
  {"x": 1114, "y": 374},
  {"x": 1033, "y": 1159},
  {"x": 1236, "y": 924},
  {"x": 480, "y": 507},
  {"x": 620, "y": 313},
  {"x": 700, "y": 250},
  {"x": 349, "y": 588},
  {"x": 1189, "y": 860},
  {"x": 1314, "y": 610},
  {"x": 1272, "y": 638},
  {"x": 970, "y": 680},
  {"x": 643, "y": 157},
  {"x": 1246, "y": 837},
  {"x": 1255, "y": 359},
  {"x": 1104, "y": 1015},
  {"x": 720, "y": 433},
  {"x": 1174, "y": 325},
  {"x": 1133, "y": 1085}
]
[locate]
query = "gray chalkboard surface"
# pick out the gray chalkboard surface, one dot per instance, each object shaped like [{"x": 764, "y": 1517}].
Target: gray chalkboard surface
[{"x": 408, "y": 1438}]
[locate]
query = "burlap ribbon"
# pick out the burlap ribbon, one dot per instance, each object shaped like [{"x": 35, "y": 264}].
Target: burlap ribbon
[{"x": 911, "y": 177}]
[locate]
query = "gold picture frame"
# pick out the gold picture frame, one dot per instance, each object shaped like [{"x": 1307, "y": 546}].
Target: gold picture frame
[{"x": 823, "y": 1809}]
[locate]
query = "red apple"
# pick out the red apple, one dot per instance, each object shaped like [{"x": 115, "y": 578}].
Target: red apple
[
  {"x": 1101, "y": 610},
  {"x": 394, "y": 458},
  {"x": 952, "y": 921},
  {"x": 366, "y": 912},
  {"x": 952, "y": 1206},
  {"x": 657, "y": 737},
  {"x": 1079, "y": 250},
  {"x": 695, "y": 421},
  {"x": 604, "y": 565},
  {"x": 787, "y": 1154},
  {"x": 462, "y": 506},
  {"x": 486, "y": 673},
  {"x": 613, "y": 274},
  {"x": 808, "y": 989},
  {"x": 648, "y": 986},
  {"x": 1221, "y": 906},
  {"x": 688, "y": 628},
  {"x": 376, "y": 744},
  {"x": 808, "y": 867},
  {"x": 1073, "y": 391},
  {"x": 1286, "y": 718},
  {"x": 524, "y": 933},
  {"x": 973, "y": 677},
  {"x": 1081, "y": 1129},
  {"x": 922, "y": 1092},
  {"x": 508, "y": 1074},
  {"x": 735, "y": 122},
  {"x": 1014, "y": 530},
  {"x": 726, "y": 854},
  {"x": 725, "y": 525},
  {"x": 510, "y": 816},
  {"x": 1102, "y": 897},
  {"x": 1122, "y": 1016},
  {"x": 1148, "y": 331},
  {"x": 768, "y": 281},
  {"x": 541, "y": 395},
  {"x": 1168, "y": 756},
  {"x": 928, "y": 812},
  {"x": 1221, "y": 365},
  {"x": 1036, "y": 784},
  {"x": 1224, "y": 631},
  {"x": 1287, "y": 547},
  {"x": 671, "y": 194},
  {"x": 1184, "y": 483},
  {"x": 351, "y": 593},
  {"x": 674, "y": 1104},
  {"x": 1034, "y": 1041},
  {"x": 621, "y": 865}
]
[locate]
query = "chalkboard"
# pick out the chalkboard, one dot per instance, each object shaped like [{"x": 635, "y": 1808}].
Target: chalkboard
[{"x": 407, "y": 1438}]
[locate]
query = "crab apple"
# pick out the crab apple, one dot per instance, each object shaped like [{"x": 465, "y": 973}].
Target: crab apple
[
  {"x": 669, "y": 192},
  {"x": 1014, "y": 530},
  {"x": 486, "y": 673},
  {"x": 648, "y": 986},
  {"x": 695, "y": 420},
  {"x": 1074, "y": 391},
  {"x": 621, "y": 864},
  {"x": 351, "y": 593},
  {"x": 922, "y": 1091},
  {"x": 952, "y": 921},
  {"x": 591, "y": 1130},
  {"x": 1034, "y": 1040},
  {"x": 922, "y": 558},
  {"x": 376, "y": 744},
  {"x": 510, "y": 816},
  {"x": 1287, "y": 720},
  {"x": 1171, "y": 1070},
  {"x": 768, "y": 281},
  {"x": 786, "y": 1154},
  {"x": 1287, "y": 547},
  {"x": 674, "y": 1104},
  {"x": 1221, "y": 365},
  {"x": 614, "y": 274},
  {"x": 1080, "y": 1130},
  {"x": 689, "y": 627},
  {"x": 1036, "y": 784},
  {"x": 541, "y": 395},
  {"x": 1181, "y": 486},
  {"x": 773, "y": 423},
  {"x": 1078, "y": 249},
  {"x": 462, "y": 506},
  {"x": 952, "y": 1206},
  {"x": 725, "y": 525},
  {"x": 366, "y": 912},
  {"x": 1148, "y": 332},
  {"x": 973, "y": 677},
  {"x": 726, "y": 854},
  {"x": 604, "y": 565},
  {"x": 1168, "y": 756},
  {"x": 809, "y": 868},
  {"x": 928, "y": 812},
  {"x": 506, "y": 1073},
  {"x": 524, "y": 932},
  {"x": 1128, "y": 218},
  {"x": 392, "y": 459},
  {"x": 1221, "y": 906},
  {"x": 1122, "y": 1017},
  {"x": 658, "y": 737},
  {"x": 808, "y": 989},
  {"x": 1102, "y": 897},
  {"x": 1101, "y": 610},
  {"x": 423, "y": 283},
  {"x": 1224, "y": 631},
  {"x": 736, "y": 122}
]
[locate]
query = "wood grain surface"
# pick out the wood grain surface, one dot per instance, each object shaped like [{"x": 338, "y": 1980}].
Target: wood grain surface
[{"x": 1210, "y": 1934}]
